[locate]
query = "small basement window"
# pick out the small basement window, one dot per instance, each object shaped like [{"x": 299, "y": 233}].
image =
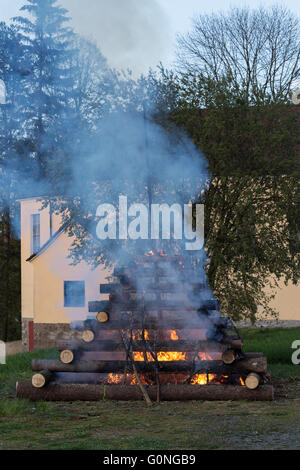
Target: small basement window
[{"x": 74, "y": 293}]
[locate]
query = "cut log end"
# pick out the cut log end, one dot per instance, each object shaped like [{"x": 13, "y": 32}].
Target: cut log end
[
  {"x": 39, "y": 380},
  {"x": 88, "y": 336},
  {"x": 229, "y": 356},
  {"x": 102, "y": 317},
  {"x": 67, "y": 356},
  {"x": 252, "y": 381}
]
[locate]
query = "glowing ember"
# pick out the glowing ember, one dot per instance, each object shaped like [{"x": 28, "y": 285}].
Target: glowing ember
[
  {"x": 138, "y": 335},
  {"x": 118, "y": 378},
  {"x": 204, "y": 356},
  {"x": 242, "y": 382},
  {"x": 173, "y": 335},
  {"x": 161, "y": 253},
  {"x": 201, "y": 379},
  {"x": 114, "y": 378},
  {"x": 161, "y": 356},
  {"x": 150, "y": 253}
]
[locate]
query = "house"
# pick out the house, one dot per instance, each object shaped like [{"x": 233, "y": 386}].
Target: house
[{"x": 54, "y": 293}]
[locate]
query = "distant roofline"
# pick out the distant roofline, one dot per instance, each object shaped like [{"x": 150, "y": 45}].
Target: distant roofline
[
  {"x": 48, "y": 243},
  {"x": 28, "y": 198}
]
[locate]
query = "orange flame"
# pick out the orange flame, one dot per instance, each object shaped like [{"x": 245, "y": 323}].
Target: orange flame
[
  {"x": 173, "y": 335},
  {"x": 161, "y": 253},
  {"x": 150, "y": 253},
  {"x": 201, "y": 379},
  {"x": 161, "y": 356},
  {"x": 204, "y": 356},
  {"x": 138, "y": 335}
]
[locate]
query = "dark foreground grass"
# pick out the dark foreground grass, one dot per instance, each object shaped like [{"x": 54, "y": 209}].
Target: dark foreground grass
[{"x": 193, "y": 425}]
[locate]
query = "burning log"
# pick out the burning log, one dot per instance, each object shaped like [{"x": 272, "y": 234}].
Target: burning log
[
  {"x": 85, "y": 392},
  {"x": 129, "y": 322},
  {"x": 134, "y": 306},
  {"x": 257, "y": 365},
  {"x": 138, "y": 345},
  {"x": 67, "y": 356},
  {"x": 41, "y": 379},
  {"x": 165, "y": 287}
]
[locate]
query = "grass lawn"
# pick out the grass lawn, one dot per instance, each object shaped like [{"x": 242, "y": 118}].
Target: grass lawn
[{"x": 166, "y": 426}]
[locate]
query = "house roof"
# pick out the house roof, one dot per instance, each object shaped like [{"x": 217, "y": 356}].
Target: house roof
[{"x": 48, "y": 243}]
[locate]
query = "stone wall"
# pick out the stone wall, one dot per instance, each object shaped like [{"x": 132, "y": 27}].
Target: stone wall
[
  {"x": 47, "y": 335},
  {"x": 25, "y": 334}
]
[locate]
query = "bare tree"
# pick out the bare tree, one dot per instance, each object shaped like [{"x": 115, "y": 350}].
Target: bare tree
[{"x": 259, "y": 48}]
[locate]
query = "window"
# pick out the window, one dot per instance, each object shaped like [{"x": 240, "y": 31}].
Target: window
[
  {"x": 74, "y": 294},
  {"x": 35, "y": 233}
]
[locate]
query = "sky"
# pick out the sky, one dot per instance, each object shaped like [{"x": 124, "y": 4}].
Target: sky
[{"x": 138, "y": 34}]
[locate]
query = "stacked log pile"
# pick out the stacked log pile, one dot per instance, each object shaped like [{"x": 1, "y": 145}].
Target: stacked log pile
[{"x": 125, "y": 339}]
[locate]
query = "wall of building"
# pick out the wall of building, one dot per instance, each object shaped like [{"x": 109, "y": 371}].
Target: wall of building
[
  {"x": 51, "y": 269},
  {"x": 287, "y": 302},
  {"x": 29, "y": 207},
  {"x": 43, "y": 282}
]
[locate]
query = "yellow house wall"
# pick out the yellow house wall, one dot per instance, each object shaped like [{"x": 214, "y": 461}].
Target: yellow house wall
[
  {"x": 29, "y": 207},
  {"x": 51, "y": 269},
  {"x": 287, "y": 302}
]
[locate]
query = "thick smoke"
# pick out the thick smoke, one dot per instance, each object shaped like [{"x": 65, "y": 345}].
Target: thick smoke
[{"x": 131, "y": 155}]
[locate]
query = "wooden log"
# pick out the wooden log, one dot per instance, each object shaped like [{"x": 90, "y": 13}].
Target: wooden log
[
  {"x": 215, "y": 366},
  {"x": 252, "y": 355},
  {"x": 88, "y": 336},
  {"x": 67, "y": 356},
  {"x": 252, "y": 381},
  {"x": 167, "y": 345},
  {"x": 135, "y": 306},
  {"x": 234, "y": 343},
  {"x": 41, "y": 379},
  {"x": 84, "y": 392},
  {"x": 229, "y": 356},
  {"x": 102, "y": 317},
  {"x": 149, "y": 323},
  {"x": 252, "y": 364},
  {"x": 166, "y": 287}
]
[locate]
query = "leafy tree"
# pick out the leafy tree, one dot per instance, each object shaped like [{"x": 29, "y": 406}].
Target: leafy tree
[{"x": 252, "y": 220}]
